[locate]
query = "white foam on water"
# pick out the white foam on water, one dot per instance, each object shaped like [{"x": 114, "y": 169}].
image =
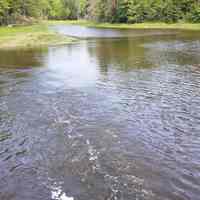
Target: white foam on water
[{"x": 58, "y": 194}]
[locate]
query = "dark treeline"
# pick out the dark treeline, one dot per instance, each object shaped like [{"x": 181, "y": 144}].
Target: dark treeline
[{"x": 114, "y": 11}]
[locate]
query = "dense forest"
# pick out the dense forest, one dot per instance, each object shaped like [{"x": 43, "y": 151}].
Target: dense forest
[{"x": 114, "y": 11}]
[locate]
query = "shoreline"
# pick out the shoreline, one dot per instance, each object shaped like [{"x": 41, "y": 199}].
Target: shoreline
[
  {"x": 146, "y": 25},
  {"x": 39, "y": 35},
  {"x": 31, "y": 36}
]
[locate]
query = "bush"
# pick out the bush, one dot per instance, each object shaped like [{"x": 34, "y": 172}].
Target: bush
[
  {"x": 153, "y": 10},
  {"x": 138, "y": 12},
  {"x": 169, "y": 12},
  {"x": 194, "y": 15}
]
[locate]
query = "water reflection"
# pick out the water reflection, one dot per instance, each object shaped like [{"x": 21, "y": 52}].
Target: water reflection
[
  {"x": 123, "y": 54},
  {"x": 89, "y": 32},
  {"x": 180, "y": 52},
  {"x": 102, "y": 119},
  {"x": 22, "y": 58}
]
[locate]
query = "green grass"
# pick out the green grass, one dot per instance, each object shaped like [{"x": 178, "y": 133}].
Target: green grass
[
  {"x": 31, "y": 36},
  {"x": 156, "y": 25},
  {"x": 39, "y": 34}
]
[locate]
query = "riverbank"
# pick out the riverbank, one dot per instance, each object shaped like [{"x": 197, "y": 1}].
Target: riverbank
[
  {"x": 39, "y": 35},
  {"x": 32, "y": 36},
  {"x": 156, "y": 25}
]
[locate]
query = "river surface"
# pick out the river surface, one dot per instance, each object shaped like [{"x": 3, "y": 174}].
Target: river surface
[{"x": 113, "y": 116}]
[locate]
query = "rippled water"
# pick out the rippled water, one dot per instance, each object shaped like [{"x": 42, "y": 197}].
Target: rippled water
[{"x": 103, "y": 119}]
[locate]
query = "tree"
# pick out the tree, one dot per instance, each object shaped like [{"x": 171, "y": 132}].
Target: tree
[
  {"x": 114, "y": 11},
  {"x": 4, "y": 7}
]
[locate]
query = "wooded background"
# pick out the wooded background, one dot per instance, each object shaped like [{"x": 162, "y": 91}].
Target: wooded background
[{"x": 114, "y": 11}]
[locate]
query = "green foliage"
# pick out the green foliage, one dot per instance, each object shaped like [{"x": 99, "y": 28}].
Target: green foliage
[
  {"x": 82, "y": 8},
  {"x": 136, "y": 11},
  {"x": 4, "y": 6},
  {"x": 194, "y": 15},
  {"x": 57, "y": 10},
  {"x": 170, "y": 12},
  {"x": 114, "y": 11},
  {"x": 122, "y": 11},
  {"x": 12, "y": 10}
]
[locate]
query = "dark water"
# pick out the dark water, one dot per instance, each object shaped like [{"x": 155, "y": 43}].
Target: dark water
[{"x": 102, "y": 119}]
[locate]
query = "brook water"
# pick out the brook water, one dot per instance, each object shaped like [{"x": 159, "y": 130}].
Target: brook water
[{"x": 114, "y": 116}]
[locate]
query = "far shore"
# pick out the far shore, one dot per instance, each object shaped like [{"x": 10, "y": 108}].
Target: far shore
[
  {"x": 39, "y": 35},
  {"x": 31, "y": 36},
  {"x": 147, "y": 25}
]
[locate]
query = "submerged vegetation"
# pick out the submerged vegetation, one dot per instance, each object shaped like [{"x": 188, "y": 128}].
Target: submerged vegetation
[{"x": 113, "y": 11}]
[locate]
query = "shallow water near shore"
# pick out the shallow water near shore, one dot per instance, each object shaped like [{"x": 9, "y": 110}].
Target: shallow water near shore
[{"x": 106, "y": 118}]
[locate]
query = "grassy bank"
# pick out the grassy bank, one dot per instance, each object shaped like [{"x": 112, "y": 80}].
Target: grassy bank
[
  {"x": 40, "y": 35},
  {"x": 156, "y": 25},
  {"x": 30, "y": 37}
]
